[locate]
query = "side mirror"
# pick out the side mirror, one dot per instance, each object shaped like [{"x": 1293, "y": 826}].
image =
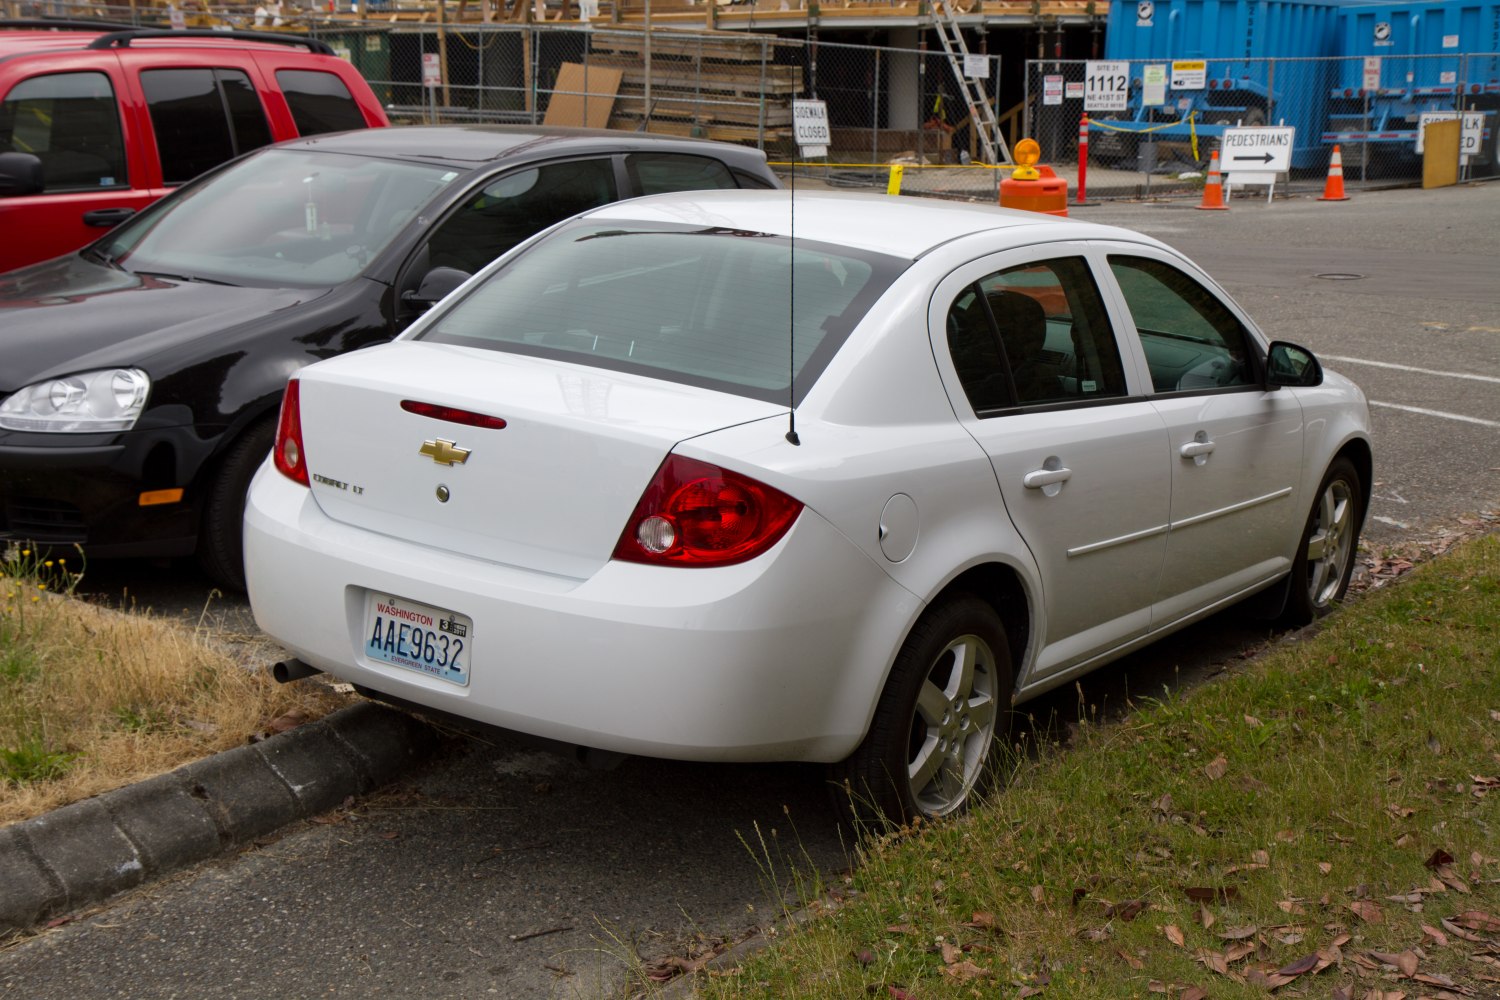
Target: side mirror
[
  {"x": 1290, "y": 365},
  {"x": 434, "y": 285},
  {"x": 20, "y": 173}
]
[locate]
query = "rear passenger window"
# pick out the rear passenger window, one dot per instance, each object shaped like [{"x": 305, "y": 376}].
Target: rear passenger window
[
  {"x": 1191, "y": 340},
  {"x": 658, "y": 173},
  {"x": 202, "y": 117},
  {"x": 69, "y": 121},
  {"x": 517, "y": 205},
  {"x": 1032, "y": 335},
  {"x": 319, "y": 101}
]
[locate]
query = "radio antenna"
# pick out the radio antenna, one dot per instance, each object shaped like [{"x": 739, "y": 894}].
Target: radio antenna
[{"x": 791, "y": 317}]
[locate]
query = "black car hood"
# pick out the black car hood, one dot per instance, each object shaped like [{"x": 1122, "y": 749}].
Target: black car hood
[{"x": 71, "y": 315}]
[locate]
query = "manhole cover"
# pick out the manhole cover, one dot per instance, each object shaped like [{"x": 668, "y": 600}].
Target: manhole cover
[{"x": 1339, "y": 276}]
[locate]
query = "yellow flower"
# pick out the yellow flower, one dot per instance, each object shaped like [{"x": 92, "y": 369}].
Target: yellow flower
[
  {"x": 41, "y": 586},
  {"x": 25, "y": 552},
  {"x": 47, "y": 563}
]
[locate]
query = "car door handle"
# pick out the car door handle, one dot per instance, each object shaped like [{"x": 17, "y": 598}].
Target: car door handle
[
  {"x": 1046, "y": 477},
  {"x": 1198, "y": 449},
  {"x": 106, "y": 217}
]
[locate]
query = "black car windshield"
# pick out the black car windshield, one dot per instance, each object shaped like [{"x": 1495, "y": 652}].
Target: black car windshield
[
  {"x": 284, "y": 217},
  {"x": 724, "y": 309}
]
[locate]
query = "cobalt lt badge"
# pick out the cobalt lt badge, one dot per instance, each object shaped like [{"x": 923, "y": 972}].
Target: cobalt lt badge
[{"x": 444, "y": 452}]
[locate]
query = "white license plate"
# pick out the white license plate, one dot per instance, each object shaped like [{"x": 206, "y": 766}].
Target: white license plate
[{"x": 420, "y": 637}]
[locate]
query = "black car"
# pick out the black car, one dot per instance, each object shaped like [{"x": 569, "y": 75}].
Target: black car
[{"x": 140, "y": 376}]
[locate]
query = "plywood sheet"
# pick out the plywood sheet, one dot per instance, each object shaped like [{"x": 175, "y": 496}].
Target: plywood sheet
[{"x": 583, "y": 95}]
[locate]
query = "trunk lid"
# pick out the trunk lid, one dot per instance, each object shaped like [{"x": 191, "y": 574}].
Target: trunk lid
[{"x": 551, "y": 491}]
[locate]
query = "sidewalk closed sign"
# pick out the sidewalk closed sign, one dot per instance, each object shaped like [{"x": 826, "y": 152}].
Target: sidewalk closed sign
[
  {"x": 810, "y": 127},
  {"x": 1469, "y": 140}
]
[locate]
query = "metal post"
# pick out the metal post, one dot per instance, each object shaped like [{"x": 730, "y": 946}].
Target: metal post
[
  {"x": 875, "y": 113},
  {"x": 760, "y": 122},
  {"x": 646, "y": 54},
  {"x": 1083, "y": 156},
  {"x": 921, "y": 97}
]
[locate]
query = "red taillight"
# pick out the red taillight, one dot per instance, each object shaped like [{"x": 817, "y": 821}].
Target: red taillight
[
  {"x": 291, "y": 460},
  {"x": 697, "y": 514},
  {"x": 453, "y": 415}
]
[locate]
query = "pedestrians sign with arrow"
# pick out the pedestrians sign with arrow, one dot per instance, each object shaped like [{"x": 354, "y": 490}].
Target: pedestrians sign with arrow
[{"x": 1261, "y": 150}]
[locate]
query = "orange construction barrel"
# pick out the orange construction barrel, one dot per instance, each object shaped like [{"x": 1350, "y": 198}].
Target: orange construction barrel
[{"x": 1032, "y": 188}]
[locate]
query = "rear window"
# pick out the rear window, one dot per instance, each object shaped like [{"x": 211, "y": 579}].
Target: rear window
[
  {"x": 202, "y": 117},
  {"x": 319, "y": 101},
  {"x": 71, "y": 123},
  {"x": 722, "y": 309}
]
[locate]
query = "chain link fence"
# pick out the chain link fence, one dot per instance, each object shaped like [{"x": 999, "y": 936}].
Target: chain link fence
[
  {"x": 1372, "y": 112},
  {"x": 886, "y": 104}
]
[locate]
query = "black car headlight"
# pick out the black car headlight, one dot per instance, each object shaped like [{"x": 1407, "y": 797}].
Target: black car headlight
[{"x": 107, "y": 400}]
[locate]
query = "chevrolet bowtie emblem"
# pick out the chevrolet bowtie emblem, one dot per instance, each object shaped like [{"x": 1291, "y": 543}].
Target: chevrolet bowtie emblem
[{"x": 444, "y": 452}]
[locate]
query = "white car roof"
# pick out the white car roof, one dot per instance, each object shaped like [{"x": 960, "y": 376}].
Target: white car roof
[{"x": 900, "y": 226}]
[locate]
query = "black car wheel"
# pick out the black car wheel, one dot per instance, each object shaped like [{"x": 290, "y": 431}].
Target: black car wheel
[
  {"x": 221, "y": 550},
  {"x": 928, "y": 751},
  {"x": 1325, "y": 557}
]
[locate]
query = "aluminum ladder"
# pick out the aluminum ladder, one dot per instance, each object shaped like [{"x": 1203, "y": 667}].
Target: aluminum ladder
[{"x": 981, "y": 111}]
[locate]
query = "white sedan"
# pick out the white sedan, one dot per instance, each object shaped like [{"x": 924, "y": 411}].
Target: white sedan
[{"x": 724, "y": 476}]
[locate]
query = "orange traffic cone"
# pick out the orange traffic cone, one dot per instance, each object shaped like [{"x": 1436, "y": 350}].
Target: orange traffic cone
[
  {"x": 1334, "y": 189},
  {"x": 1213, "y": 188}
]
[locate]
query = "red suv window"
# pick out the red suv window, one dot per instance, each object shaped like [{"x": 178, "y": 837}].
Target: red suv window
[
  {"x": 202, "y": 117},
  {"x": 71, "y": 123},
  {"x": 319, "y": 101}
]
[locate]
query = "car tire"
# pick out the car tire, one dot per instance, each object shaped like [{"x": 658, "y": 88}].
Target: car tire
[
  {"x": 1325, "y": 555},
  {"x": 221, "y": 546},
  {"x": 945, "y": 707}
]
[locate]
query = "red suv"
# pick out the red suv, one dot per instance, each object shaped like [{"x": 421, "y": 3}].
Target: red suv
[{"x": 98, "y": 121}]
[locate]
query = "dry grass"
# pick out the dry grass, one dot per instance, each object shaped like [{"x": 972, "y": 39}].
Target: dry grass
[{"x": 92, "y": 699}]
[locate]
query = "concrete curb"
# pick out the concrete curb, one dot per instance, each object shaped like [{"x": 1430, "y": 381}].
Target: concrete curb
[{"x": 90, "y": 850}]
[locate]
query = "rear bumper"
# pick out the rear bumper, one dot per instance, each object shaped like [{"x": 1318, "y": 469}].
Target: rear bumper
[{"x": 780, "y": 658}]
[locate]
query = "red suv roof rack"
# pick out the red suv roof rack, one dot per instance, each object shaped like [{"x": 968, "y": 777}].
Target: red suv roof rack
[{"x": 122, "y": 39}]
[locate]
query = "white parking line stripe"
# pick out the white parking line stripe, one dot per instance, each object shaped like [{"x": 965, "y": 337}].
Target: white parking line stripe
[
  {"x": 1439, "y": 413},
  {"x": 1409, "y": 368}
]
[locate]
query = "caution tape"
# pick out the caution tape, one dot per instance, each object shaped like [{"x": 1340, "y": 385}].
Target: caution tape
[{"x": 1189, "y": 121}]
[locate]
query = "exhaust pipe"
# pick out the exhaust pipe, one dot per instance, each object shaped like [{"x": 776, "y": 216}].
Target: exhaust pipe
[{"x": 292, "y": 670}]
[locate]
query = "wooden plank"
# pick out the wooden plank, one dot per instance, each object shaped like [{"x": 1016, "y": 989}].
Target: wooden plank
[
  {"x": 583, "y": 95},
  {"x": 730, "y": 79}
]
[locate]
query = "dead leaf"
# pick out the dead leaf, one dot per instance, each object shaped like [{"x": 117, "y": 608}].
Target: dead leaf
[
  {"x": 1477, "y": 921},
  {"x": 1324, "y": 867},
  {"x": 897, "y": 993},
  {"x": 1130, "y": 959},
  {"x": 1252, "y": 721},
  {"x": 1438, "y": 937},
  {"x": 1213, "y": 960},
  {"x": 1239, "y": 951},
  {"x": 1038, "y": 894},
  {"x": 1438, "y": 858},
  {"x": 1215, "y": 768},
  {"x": 900, "y": 929},
  {"x": 964, "y": 971},
  {"x": 291, "y": 720},
  {"x": 983, "y": 921},
  {"x": 1095, "y": 934},
  {"x": 1127, "y": 911},
  {"x": 1400, "y": 812},
  {"x": 1459, "y": 932},
  {"x": 865, "y": 957},
  {"x": 390, "y": 835},
  {"x": 1237, "y": 933},
  {"x": 1262, "y": 858},
  {"x": 1193, "y": 993},
  {"x": 1174, "y": 935},
  {"x": 1204, "y": 917},
  {"x": 1291, "y": 906},
  {"x": 1368, "y": 911},
  {"x": 1028, "y": 991},
  {"x": 1405, "y": 961},
  {"x": 1304, "y": 964},
  {"x": 1266, "y": 980},
  {"x": 951, "y": 952},
  {"x": 1286, "y": 836}
]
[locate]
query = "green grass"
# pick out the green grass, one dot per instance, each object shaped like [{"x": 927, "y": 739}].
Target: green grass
[{"x": 1296, "y": 813}]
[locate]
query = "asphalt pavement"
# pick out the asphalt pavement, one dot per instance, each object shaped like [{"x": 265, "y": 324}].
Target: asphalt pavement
[{"x": 502, "y": 870}]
